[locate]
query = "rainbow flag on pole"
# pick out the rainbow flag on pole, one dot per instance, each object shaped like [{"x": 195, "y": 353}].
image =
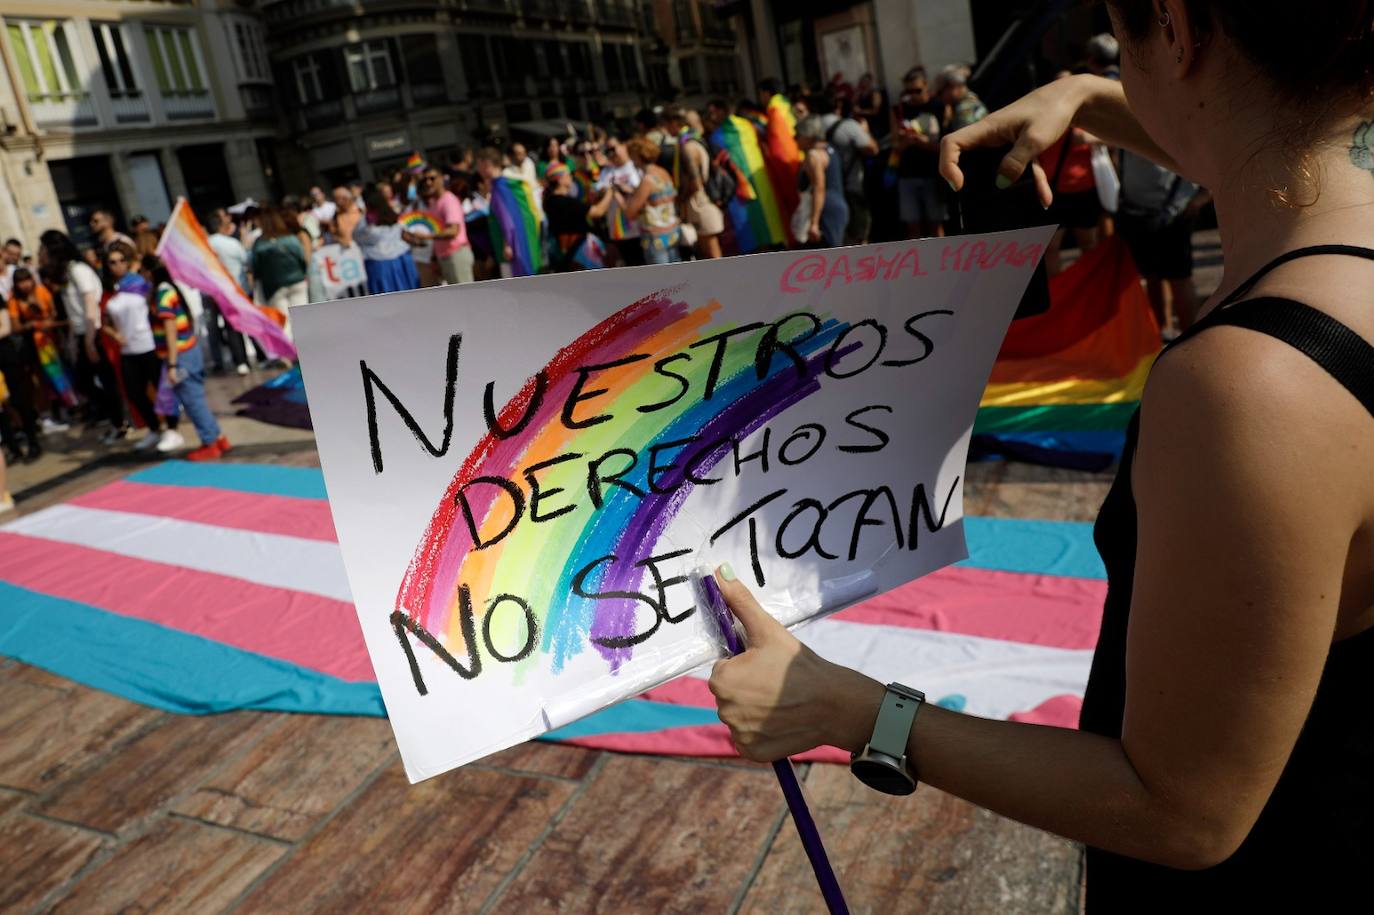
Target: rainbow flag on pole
[
  {"x": 186, "y": 251},
  {"x": 1067, "y": 381},
  {"x": 517, "y": 220},
  {"x": 758, "y": 222}
]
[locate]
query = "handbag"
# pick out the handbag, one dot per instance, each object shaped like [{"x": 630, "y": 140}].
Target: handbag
[{"x": 1105, "y": 177}]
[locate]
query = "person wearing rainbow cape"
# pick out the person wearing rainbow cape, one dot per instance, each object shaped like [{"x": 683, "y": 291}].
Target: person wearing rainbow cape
[{"x": 515, "y": 221}]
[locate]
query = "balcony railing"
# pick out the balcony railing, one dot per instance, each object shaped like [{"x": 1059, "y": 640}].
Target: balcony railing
[
  {"x": 129, "y": 107},
  {"x": 613, "y": 12},
  {"x": 323, "y": 114},
  {"x": 182, "y": 106},
  {"x": 68, "y": 110},
  {"x": 377, "y": 100},
  {"x": 428, "y": 93},
  {"x": 256, "y": 98}
]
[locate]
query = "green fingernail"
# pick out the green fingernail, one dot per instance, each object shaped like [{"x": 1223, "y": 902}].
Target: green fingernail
[
  {"x": 951, "y": 186},
  {"x": 726, "y": 572},
  {"x": 1003, "y": 182}
]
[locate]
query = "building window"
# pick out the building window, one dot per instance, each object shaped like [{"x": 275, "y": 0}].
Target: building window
[
  {"x": 476, "y": 59},
  {"x": 309, "y": 86},
  {"x": 249, "y": 51},
  {"x": 115, "y": 62},
  {"x": 176, "y": 61},
  {"x": 369, "y": 66},
  {"x": 46, "y": 57}
]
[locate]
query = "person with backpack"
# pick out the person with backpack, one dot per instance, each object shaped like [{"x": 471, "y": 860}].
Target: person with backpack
[
  {"x": 854, "y": 145},
  {"x": 691, "y": 171}
]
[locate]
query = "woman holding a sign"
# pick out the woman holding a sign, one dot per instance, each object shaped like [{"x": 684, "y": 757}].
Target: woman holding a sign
[{"x": 1226, "y": 734}]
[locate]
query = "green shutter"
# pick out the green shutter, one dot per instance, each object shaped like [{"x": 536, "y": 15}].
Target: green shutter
[
  {"x": 45, "y": 63},
  {"x": 188, "y": 59},
  {"x": 67, "y": 60},
  {"x": 21, "y": 56},
  {"x": 159, "y": 67}
]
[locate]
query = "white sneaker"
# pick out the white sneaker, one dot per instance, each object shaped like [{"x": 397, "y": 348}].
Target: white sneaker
[
  {"x": 49, "y": 427},
  {"x": 171, "y": 440},
  {"x": 150, "y": 438},
  {"x": 242, "y": 369}
]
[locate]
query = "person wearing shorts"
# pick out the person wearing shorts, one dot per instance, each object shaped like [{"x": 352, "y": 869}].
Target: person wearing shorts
[
  {"x": 1155, "y": 220},
  {"x": 916, "y": 133}
]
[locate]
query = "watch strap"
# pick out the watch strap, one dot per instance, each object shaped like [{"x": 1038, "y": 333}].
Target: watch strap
[{"x": 895, "y": 718}]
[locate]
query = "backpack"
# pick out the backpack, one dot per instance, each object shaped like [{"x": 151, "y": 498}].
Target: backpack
[{"x": 721, "y": 182}]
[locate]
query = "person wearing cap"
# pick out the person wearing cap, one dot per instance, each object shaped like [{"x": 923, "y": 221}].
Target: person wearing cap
[{"x": 962, "y": 106}]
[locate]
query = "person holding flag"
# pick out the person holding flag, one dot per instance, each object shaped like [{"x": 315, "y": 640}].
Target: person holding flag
[{"x": 515, "y": 220}]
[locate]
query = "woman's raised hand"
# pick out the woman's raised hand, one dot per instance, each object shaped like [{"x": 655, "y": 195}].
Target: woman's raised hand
[{"x": 1030, "y": 125}]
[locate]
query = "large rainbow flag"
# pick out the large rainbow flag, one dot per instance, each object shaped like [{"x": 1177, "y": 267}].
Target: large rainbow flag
[
  {"x": 758, "y": 222},
  {"x": 186, "y": 251},
  {"x": 517, "y": 220},
  {"x": 201, "y": 588},
  {"x": 783, "y": 155},
  {"x": 1067, "y": 381}
]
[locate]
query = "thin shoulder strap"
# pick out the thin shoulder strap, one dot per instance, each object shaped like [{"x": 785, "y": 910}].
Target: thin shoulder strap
[
  {"x": 1344, "y": 354},
  {"x": 1310, "y": 251}
]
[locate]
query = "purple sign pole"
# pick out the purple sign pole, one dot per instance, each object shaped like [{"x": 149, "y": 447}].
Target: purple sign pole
[{"x": 787, "y": 776}]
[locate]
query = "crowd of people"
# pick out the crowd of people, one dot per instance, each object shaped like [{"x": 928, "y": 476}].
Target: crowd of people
[{"x": 107, "y": 336}]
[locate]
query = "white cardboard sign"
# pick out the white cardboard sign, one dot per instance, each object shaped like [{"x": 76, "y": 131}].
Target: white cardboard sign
[{"x": 523, "y": 473}]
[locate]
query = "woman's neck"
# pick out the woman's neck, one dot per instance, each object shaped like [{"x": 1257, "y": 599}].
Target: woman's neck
[{"x": 1327, "y": 199}]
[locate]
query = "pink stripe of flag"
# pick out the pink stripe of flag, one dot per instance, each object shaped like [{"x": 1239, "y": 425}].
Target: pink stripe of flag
[
  {"x": 306, "y": 629},
  {"x": 265, "y": 514}
]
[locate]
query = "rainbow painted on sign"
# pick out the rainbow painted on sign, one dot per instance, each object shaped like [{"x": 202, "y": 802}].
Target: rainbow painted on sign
[{"x": 662, "y": 373}]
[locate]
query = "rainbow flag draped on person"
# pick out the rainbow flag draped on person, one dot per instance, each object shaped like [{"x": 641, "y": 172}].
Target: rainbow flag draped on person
[
  {"x": 517, "y": 220},
  {"x": 1067, "y": 381},
  {"x": 783, "y": 155},
  {"x": 757, "y": 222},
  {"x": 186, "y": 251}
]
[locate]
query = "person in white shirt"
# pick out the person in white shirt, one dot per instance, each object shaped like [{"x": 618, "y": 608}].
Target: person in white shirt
[
  {"x": 130, "y": 325},
  {"x": 81, "y": 290},
  {"x": 234, "y": 257},
  {"x": 523, "y": 164},
  {"x": 322, "y": 208},
  {"x": 620, "y": 172},
  {"x": 10, "y": 255}
]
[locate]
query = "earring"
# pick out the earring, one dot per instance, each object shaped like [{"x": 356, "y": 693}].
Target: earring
[{"x": 1165, "y": 19}]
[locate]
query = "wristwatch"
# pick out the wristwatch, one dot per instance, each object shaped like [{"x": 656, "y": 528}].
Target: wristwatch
[{"x": 882, "y": 765}]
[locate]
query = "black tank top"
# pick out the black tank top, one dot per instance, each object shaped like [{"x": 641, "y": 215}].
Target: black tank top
[{"x": 1317, "y": 829}]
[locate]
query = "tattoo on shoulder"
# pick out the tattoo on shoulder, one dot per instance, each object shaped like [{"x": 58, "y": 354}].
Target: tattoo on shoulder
[{"x": 1362, "y": 147}]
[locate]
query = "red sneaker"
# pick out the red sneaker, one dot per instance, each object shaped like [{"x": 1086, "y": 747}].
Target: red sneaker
[
  {"x": 210, "y": 452},
  {"x": 222, "y": 443}
]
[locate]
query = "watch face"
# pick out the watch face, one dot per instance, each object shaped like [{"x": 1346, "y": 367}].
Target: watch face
[{"x": 882, "y": 776}]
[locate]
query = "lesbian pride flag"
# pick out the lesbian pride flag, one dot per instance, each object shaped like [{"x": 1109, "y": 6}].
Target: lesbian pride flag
[
  {"x": 1067, "y": 381},
  {"x": 186, "y": 251},
  {"x": 201, "y": 588}
]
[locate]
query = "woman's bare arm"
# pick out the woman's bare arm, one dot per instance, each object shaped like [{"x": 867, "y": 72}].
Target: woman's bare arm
[
  {"x": 1244, "y": 529},
  {"x": 1035, "y": 122}
]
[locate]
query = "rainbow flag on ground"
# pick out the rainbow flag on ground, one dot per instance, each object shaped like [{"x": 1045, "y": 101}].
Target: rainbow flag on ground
[
  {"x": 758, "y": 222},
  {"x": 1067, "y": 381},
  {"x": 517, "y": 220},
  {"x": 186, "y": 251}
]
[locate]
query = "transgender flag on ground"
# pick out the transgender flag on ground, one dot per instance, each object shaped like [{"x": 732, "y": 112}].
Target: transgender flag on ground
[
  {"x": 186, "y": 251},
  {"x": 204, "y": 588}
]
